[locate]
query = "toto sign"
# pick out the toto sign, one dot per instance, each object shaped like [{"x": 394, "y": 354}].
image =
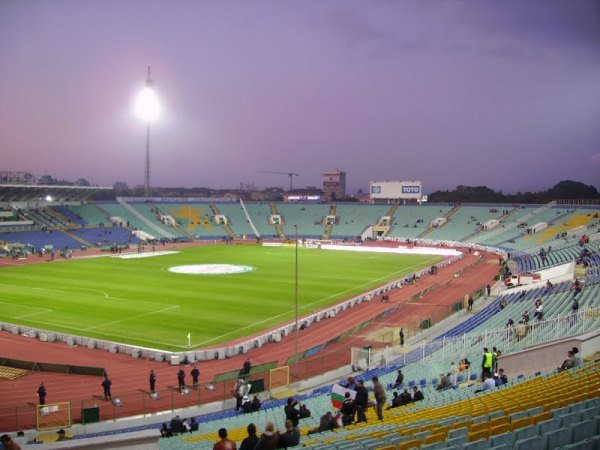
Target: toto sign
[{"x": 411, "y": 189}]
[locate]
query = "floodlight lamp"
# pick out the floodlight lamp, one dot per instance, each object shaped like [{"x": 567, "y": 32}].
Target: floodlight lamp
[
  {"x": 146, "y": 106},
  {"x": 48, "y": 198}
]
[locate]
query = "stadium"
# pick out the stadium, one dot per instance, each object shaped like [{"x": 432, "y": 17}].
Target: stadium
[
  {"x": 329, "y": 225},
  {"x": 310, "y": 293}
]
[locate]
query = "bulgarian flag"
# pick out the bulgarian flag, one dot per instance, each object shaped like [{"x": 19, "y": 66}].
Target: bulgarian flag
[{"x": 338, "y": 394}]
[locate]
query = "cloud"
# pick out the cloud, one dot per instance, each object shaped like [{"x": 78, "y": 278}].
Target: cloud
[{"x": 595, "y": 158}]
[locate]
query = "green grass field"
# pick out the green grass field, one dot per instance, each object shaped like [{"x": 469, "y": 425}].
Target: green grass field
[{"x": 139, "y": 302}]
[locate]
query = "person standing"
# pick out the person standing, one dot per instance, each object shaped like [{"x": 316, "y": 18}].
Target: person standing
[
  {"x": 470, "y": 304},
  {"x": 380, "y": 396},
  {"x": 487, "y": 363},
  {"x": 181, "y": 379},
  {"x": 246, "y": 368},
  {"x": 361, "y": 401},
  {"x": 488, "y": 290},
  {"x": 41, "y": 392},
  {"x": 195, "y": 374},
  {"x": 106, "y": 384},
  {"x": 152, "y": 381},
  {"x": 402, "y": 337}
]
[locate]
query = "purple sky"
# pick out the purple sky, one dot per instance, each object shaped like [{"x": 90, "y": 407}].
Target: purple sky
[{"x": 504, "y": 93}]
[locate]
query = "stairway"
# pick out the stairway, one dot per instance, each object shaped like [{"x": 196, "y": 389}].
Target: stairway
[
  {"x": 225, "y": 226},
  {"x": 249, "y": 219},
  {"x": 278, "y": 226},
  {"x": 141, "y": 217},
  {"x": 329, "y": 226},
  {"x": 447, "y": 216}
]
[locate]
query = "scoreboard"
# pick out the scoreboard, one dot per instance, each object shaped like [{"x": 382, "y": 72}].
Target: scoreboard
[{"x": 390, "y": 190}]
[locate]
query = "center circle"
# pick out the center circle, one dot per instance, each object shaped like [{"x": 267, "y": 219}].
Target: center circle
[{"x": 210, "y": 269}]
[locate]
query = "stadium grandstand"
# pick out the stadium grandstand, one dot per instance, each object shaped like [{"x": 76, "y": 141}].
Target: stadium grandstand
[{"x": 447, "y": 312}]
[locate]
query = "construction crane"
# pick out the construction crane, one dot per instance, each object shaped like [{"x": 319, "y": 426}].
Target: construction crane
[{"x": 289, "y": 174}]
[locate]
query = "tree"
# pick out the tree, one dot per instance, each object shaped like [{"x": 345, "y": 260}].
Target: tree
[{"x": 81, "y": 182}]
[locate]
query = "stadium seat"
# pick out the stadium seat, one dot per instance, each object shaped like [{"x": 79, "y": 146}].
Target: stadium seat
[
  {"x": 476, "y": 445},
  {"x": 583, "y": 430},
  {"x": 556, "y": 438},
  {"x": 532, "y": 443}
]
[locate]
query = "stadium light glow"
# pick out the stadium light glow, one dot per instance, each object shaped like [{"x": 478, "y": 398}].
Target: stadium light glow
[{"x": 147, "y": 107}]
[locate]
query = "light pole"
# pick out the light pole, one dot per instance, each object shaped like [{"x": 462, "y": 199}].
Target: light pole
[
  {"x": 296, "y": 308},
  {"x": 147, "y": 109}
]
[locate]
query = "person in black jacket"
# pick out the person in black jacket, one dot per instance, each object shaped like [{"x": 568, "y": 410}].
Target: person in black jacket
[
  {"x": 361, "y": 401},
  {"x": 291, "y": 413}
]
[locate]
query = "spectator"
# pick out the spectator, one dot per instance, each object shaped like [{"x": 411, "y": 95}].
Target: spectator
[
  {"x": 361, "y": 401},
  {"x": 181, "y": 380},
  {"x": 291, "y": 413},
  {"x": 502, "y": 376},
  {"x": 239, "y": 392},
  {"x": 396, "y": 401},
  {"x": 251, "y": 441},
  {"x": 41, "y": 392},
  {"x": 380, "y": 396},
  {"x": 470, "y": 304},
  {"x": 405, "y": 397},
  {"x": 21, "y": 440},
  {"x": 445, "y": 382},
  {"x": 246, "y": 404},
  {"x": 576, "y": 357},
  {"x": 497, "y": 353},
  {"x": 351, "y": 384},
  {"x": 62, "y": 436},
  {"x": 569, "y": 362},
  {"x": 177, "y": 425},
  {"x": 488, "y": 290},
  {"x": 8, "y": 443},
  {"x": 256, "y": 404},
  {"x": 304, "y": 412},
  {"x": 538, "y": 311},
  {"x": 453, "y": 372},
  {"x": 268, "y": 439},
  {"x": 328, "y": 422},
  {"x": 401, "y": 337},
  {"x": 417, "y": 394},
  {"x": 488, "y": 383},
  {"x": 164, "y": 431},
  {"x": 525, "y": 317},
  {"x": 521, "y": 330},
  {"x": 291, "y": 436},
  {"x": 246, "y": 367},
  {"x": 497, "y": 380},
  {"x": 399, "y": 379},
  {"x": 224, "y": 443},
  {"x": 347, "y": 410},
  {"x": 193, "y": 424}
]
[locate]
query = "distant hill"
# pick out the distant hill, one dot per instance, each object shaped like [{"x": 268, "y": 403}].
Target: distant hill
[{"x": 566, "y": 189}]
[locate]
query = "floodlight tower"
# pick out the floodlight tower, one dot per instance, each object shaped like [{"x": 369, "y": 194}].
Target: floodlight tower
[{"x": 147, "y": 109}]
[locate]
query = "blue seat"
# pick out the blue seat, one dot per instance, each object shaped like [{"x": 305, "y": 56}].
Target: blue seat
[
  {"x": 433, "y": 446},
  {"x": 503, "y": 438},
  {"x": 546, "y": 426},
  {"x": 473, "y": 377},
  {"x": 500, "y": 447},
  {"x": 589, "y": 413},
  {"x": 570, "y": 418},
  {"x": 556, "y": 438},
  {"x": 457, "y": 432},
  {"x": 532, "y": 443},
  {"x": 481, "y": 444},
  {"x": 458, "y": 441},
  {"x": 582, "y": 445},
  {"x": 583, "y": 430},
  {"x": 526, "y": 432}
]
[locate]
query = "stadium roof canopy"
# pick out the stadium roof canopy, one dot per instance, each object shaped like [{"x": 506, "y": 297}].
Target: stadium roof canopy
[{"x": 24, "y": 192}]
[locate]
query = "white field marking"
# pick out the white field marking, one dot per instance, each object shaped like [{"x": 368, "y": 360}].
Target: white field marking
[
  {"x": 210, "y": 269},
  {"x": 308, "y": 305},
  {"x": 44, "y": 311},
  {"x": 145, "y": 254},
  {"x": 132, "y": 317},
  {"x": 106, "y": 295}
]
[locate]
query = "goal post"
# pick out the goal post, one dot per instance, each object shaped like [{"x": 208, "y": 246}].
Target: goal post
[
  {"x": 279, "y": 377},
  {"x": 53, "y": 415}
]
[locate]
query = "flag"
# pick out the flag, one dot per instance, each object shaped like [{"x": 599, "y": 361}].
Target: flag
[
  {"x": 189, "y": 339},
  {"x": 338, "y": 394}
]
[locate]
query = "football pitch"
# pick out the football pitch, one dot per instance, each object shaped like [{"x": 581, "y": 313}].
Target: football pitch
[{"x": 140, "y": 301}]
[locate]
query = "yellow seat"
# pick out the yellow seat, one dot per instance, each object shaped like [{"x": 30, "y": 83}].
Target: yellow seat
[
  {"x": 438, "y": 437},
  {"x": 499, "y": 421},
  {"x": 499, "y": 429},
  {"x": 478, "y": 435},
  {"x": 541, "y": 416},
  {"x": 409, "y": 444},
  {"x": 520, "y": 423},
  {"x": 475, "y": 427}
]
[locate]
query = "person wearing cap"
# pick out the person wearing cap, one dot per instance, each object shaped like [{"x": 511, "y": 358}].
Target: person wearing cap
[{"x": 361, "y": 401}]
